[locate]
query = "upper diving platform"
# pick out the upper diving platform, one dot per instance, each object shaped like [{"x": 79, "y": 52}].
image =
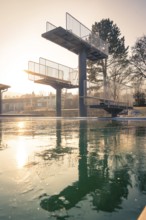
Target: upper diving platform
[{"x": 75, "y": 37}]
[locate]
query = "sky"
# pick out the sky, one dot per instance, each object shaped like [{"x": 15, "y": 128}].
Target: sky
[{"x": 23, "y": 21}]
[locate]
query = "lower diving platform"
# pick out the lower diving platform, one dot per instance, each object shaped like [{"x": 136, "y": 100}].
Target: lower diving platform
[
  {"x": 111, "y": 106},
  {"x": 55, "y": 75}
]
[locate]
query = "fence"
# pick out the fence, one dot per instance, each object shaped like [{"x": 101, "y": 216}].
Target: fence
[
  {"x": 49, "y": 26},
  {"x": 51, "y": 69},
  {"x": 114, "y": 94},
  {"x": 69, "y": 74},
  {"x": 77, "y": 28},
  {"x": 81, "y": 31}
]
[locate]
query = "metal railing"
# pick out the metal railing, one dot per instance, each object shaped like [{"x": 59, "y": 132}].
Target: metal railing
[
  {"x": 77, "y": 28},
  {"x": 43, "y": 70},
  {"x": 81, "y": 31},
  {"x": 51, "y": 69},
  {"x": 95, "y": 94},
  {"x": 49, "y": 26},
  {"x": 69, "y": 74}
]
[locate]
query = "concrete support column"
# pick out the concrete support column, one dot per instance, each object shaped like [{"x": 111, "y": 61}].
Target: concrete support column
[
  {"x": 82, "y": 81},
  {"x": 0, "y": 102},
  {"x": 58, "y": 102}
]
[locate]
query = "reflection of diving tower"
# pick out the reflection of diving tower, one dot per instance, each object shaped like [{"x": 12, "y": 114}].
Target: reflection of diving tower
[
  {"x": 3, "y": 88},
  {"x": 80, "y": 40}
]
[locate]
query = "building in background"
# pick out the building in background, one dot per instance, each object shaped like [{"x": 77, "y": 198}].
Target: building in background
[{"x": 32, "y": 102}]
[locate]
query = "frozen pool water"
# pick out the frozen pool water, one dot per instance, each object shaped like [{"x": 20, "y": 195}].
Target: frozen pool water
[{"x": 72, "y": 168}]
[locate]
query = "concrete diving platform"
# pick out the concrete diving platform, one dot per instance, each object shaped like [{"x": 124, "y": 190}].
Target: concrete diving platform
[
  {"x": 76, "y": 37},
  {"x": 51, "y": 81},
  {"x": 53, "y": 74},
  {"x": 111, "y": 106},
  {"x": 72, "y": 42},
  {"x": 114, "y": 110}
]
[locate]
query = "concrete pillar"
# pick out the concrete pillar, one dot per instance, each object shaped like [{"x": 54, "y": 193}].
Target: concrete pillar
[
  {"x": 58, "y": 102},
  {"x": 82, "y": 81}
]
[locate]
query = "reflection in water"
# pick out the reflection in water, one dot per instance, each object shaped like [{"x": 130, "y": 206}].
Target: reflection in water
[
  {"x": 140, "y": 131},
  {"x": 0, "y": 134},
  {"x": 59, "y": 150},
  {"x": 2, "y": 144},
  {"x": 20, "y": 124},
  {"x": 78, "y": 166},
  {"x": 21, "y": 154},
  {"x": 107, "y": 187}
]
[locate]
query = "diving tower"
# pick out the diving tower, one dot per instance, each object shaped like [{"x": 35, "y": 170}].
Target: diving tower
[
  {"x": 80, "y": 40},
  {"x": 3, "y": 88}
]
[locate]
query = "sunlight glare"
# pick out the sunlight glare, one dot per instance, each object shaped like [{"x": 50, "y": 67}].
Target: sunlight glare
[
  {"x": 21, "y": 124},
  {"x": 21, "y": 154}
]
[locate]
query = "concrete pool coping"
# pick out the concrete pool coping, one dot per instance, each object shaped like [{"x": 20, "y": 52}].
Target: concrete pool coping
[
  {"x": 142, "y": 215},
  {"x": 143, "y": 118}
]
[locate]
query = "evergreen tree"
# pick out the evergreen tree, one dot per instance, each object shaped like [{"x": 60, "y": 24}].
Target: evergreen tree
[{"x": 115, "y": 67}]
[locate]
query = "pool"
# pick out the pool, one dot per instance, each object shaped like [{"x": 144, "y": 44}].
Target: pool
[{"x": 72, "y": 168}]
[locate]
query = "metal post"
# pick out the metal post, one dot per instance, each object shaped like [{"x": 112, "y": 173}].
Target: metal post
[
  {"x": 58, "y": 102},
  {"x": 82, "y": 81}
]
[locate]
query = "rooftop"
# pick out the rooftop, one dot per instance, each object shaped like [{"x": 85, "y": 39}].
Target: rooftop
[{"x": 3, "y": 87}]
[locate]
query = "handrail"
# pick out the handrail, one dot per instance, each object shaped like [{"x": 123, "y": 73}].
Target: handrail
[
  {"x": 59, "y": 72},
  {"x": 80, "y": 30}
]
